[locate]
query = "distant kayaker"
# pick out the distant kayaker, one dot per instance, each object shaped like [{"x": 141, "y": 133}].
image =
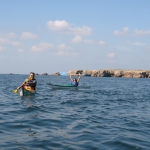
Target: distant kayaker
[
  {"x": 75, "y": 82},
  {"x": 29, "y": 83}
]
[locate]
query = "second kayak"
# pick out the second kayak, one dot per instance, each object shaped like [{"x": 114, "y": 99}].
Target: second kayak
[{"x": 64, "y": 86}]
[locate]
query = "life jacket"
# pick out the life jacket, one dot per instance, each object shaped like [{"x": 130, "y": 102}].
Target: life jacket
[
  {"x": 32, "y": 80},
  {"x": 74, "y": 83},
  {"x": 30, "y": 87}
]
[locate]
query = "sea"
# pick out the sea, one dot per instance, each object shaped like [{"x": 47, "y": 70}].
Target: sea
[{"x": 113, "y": 114}]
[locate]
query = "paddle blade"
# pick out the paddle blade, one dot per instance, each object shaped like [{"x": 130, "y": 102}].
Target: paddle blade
[{"x": 15, "y": 91}]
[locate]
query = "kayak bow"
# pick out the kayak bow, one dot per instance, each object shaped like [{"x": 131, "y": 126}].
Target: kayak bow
[{"x": 24, "y": 92}]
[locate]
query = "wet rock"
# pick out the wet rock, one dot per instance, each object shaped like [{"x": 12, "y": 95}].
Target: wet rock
[
  {"x": 45, "y": 74},
  {"x": 56, "y": 74}
]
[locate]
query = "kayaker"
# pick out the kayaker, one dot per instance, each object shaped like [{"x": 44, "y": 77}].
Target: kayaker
[
  {"x": 75, "y": 82},
  {"x": 29, "y": 83}
]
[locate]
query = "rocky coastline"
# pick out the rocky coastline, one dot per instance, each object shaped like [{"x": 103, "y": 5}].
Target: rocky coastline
[
  {"x": 113, "y": 73},
  {"x": 103, "y": 73}
]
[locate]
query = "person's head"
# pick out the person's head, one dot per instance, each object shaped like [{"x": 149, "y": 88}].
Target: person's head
[
  {"x": 32, "y": 74},
  {"x": 75, "y": 80}
]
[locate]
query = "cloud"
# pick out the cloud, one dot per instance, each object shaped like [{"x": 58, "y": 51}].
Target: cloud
[
  {"x": 5, "y": 38},
  {"x": 20, "y": 50},
  {"x": 111, "y": 55},
  {"x": 124, "y": 32},
  {"x": 79, "y": 39},
  {"x": 15, "y": 43},
  {"x": 136, "y": 43},
  {"x": 139, "y": 44},
  {"x": 57, "y": 25},
  {"x": 142, "y": 32},
  {"x": 41, "y": 47},
  {"x": 64, "y": 53},
  {"x": 4, "y": 41},
  {"x": 8, "y": 35},
  {"x": 101, "y": 43},
  {"x": 123, "y": 48},
  {"x": 28, "y": 35},
  {"x": 88, "y": 41},
  {"x": 1, "y": 49},
  {"x": 11, "y": 35},
  {"x": 63, "y": 46},
  {"x": 64, "y": 27}
]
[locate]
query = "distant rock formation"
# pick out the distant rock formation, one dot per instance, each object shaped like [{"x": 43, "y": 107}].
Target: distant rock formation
[
  {"x": 12, "y": 74},
  {"x": 113, "y": 73},
  {"x": 45, "y": 74},
  {"x": 56, "y": 74}
]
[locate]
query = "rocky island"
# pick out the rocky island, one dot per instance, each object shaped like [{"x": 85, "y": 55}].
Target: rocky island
[{"x": 113, "y": 73}]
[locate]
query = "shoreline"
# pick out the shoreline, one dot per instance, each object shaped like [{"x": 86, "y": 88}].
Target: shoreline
[
  {"x": 102, "y": 73},
  {"x": 113, "y": 73}
]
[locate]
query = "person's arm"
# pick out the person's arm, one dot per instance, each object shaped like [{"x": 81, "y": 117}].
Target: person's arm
[
  {"x": 24, "y": 83},
  {"x": 79, "y": 78},
  {"x": 21, "y": 85},
  {"x": 71, "y": 78}
]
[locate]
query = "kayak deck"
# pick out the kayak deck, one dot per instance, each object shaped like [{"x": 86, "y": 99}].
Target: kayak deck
[
  {"x": 65, "y": 86},
  {"x": 24, "y": 92}
]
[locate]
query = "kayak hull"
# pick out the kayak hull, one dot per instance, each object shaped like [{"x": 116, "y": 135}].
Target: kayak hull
[
  {"x": 24, "y": 92},
  {"x": 66, "y": 86}
]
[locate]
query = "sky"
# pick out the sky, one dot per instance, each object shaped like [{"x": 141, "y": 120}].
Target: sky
[{"x": 58, "y": 36}]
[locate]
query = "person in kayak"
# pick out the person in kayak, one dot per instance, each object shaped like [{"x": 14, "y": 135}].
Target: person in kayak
[
  {"x": 75, "y": 82},
  {"x": 29, "y": 83}
]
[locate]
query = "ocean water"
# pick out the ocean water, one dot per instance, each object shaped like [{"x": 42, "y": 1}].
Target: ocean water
[{"x": 114, "y": 114}]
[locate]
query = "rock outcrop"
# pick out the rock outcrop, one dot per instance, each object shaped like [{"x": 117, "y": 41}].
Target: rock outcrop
[
  {"x": 56, "y": 74},
  {"x": 113, "y": 73},
  {"x": 45, "y": 74}
]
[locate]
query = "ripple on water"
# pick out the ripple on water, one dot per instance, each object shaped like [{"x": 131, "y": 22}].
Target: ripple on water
[{"x": 112, "y": 114}]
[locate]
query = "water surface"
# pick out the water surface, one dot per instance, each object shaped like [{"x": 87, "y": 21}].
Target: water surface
[{"x": 113, "y": 114}]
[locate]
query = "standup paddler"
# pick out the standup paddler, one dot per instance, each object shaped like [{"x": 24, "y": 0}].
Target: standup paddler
[
  {"x": 30, "y": 83},
  {"x": 75, "y": 82}
]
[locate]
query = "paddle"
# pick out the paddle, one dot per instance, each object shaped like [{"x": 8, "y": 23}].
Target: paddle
[{"x": 15, "y": 91}]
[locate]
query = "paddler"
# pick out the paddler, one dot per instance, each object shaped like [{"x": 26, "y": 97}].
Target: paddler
[
  {"x": 75, "y": 82},
  {"x": 29, "y": 83}
]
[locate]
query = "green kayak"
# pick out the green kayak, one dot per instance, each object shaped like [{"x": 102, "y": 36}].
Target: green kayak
[
  {"x": 65, "y": 86},
  {"x": 24, "y": 92}
]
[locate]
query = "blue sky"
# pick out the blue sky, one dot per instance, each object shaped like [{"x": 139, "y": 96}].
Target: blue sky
[{"x": 58, "y": 36}]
